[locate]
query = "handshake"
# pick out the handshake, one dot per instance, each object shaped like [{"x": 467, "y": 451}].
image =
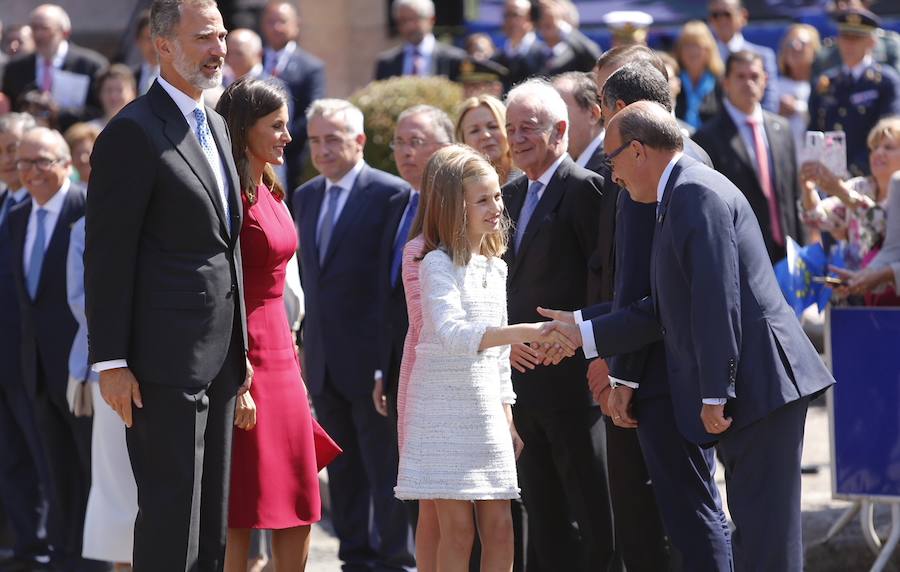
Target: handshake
[{"x": 550, "y": 343}]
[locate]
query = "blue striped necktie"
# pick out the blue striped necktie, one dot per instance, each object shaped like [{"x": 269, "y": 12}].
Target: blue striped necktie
[
  {"x": 531, "y": 202},
  {"x": 400, "y": 241},
  {"x": 36, "y": 260}
]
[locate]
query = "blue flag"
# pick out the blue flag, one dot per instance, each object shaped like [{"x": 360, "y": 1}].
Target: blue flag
[{"x": 796, "y": 271}]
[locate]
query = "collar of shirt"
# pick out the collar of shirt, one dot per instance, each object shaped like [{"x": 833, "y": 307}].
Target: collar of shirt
[
  {"x": 735, "y": 44},
  {"x": 18, "y": 194},
  {"x": 347, "y": 181},
  {"x": 859, "y": 68},
  {"x": 186, "y": 104},
  {"x": 277, "y": 59},
  {"x": 425, "y": 47},
  {"x": 522, "y": 47},
  {"x": 589, "y": 150},
  {"x": 739, "y": 117},
  {"x": 55, "y": 204},
  {"x": 664, "y": 179},
  {"x": 545, "y": 177},
  {"x": 58, "y": 58},
  {"x": 149, "y": 70}
]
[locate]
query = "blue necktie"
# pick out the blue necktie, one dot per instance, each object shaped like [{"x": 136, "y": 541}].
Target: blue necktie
[
  {"x": 204, "y": 135},
  {"x": 531, "y": 202},
  {"x": 36, "y": 260},
  {"x": 327, "y": 225},
  {"x": 402, "y": 236}
]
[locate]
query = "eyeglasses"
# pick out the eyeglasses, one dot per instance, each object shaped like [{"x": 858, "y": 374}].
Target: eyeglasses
[
  {"x": 618, "y": 151},
  {"x": 42, "y": 164},
  {"x": 415, "y": 143},
  {"x": 717, "y": 15}
]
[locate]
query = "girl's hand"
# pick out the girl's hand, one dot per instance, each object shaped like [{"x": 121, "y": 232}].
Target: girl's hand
[{"x": 245, "y": 412}]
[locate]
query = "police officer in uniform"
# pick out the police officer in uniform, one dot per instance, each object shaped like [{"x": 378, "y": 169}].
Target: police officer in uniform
[
  {"x": 887, "y": 46},
  {"x": 855, "y": 95}
]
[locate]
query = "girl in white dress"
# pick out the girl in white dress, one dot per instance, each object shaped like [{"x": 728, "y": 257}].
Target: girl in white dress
[{"x": 460, "y": 443}]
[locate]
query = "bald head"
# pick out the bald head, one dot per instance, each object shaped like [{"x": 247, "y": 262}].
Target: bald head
[
  {"x": 245, "y": 50},
  {"x": 651, "y": 124},
  {"x": 50, "y": 25}
]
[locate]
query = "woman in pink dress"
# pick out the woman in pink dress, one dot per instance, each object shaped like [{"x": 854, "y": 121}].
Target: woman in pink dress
[{"x": 274, "y": 477}]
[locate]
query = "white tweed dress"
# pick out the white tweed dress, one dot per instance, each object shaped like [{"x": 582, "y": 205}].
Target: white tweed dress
[{"x": 457, "y": 443}]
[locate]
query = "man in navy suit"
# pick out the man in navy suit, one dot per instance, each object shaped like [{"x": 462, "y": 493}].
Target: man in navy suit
[
  {"x": 420, "y": 54},
  {"x": 727, "y": 18},
  {"x": 54, "y": 54},
  {"x": 40, "y": 231},
  {"x": 340, "y": 216},
  {"x": 19, "y": 441},
  {"x": 302, "y": 72},
  {"x": 741, "y": 372},
  {"x": 522, "y": 53},
  {"x": 421, "y": 130}
]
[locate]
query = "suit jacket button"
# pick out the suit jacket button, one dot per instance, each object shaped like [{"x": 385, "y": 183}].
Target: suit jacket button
[{"x": 663, "y": 330}]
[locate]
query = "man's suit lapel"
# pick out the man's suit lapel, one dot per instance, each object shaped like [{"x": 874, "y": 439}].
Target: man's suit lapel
[
  {"x": 310, "y": 221},
  {"x": 220, "y": 135},
  {"x": 779, "y": 155},
  {"x": 396, "y": 208},
  {"x": 731, "y": 134},
  {"x": 179, "y": 133},
  {"x": 18, "y": 227},
  {"x": 549, "y": 200},
  {"x": 661, "y": 211},
  {"x": 352, "y": 210}
]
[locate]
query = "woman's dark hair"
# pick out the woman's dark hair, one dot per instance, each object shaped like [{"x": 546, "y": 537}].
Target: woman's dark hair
[{"x": 242, "y": 104}]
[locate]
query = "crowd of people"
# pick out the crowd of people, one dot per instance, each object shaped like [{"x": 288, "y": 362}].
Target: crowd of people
[{"x": 516, "y": 353}]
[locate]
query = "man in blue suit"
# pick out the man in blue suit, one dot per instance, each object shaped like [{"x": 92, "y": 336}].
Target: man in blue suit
[
  {"x": 727, "y": 18},
  {"x": 340, "y": 218},
  {"x": 741, "y": 372},
  {"x": 20, "y": 450},
  {"x": 40, "y": 230},
  {"x": 303, "y": 73}
]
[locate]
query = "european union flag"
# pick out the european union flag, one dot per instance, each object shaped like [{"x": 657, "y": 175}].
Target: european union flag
[{"x": 795, "y": 273}]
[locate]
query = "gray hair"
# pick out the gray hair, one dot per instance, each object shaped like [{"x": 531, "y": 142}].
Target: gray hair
[
  {"x": 341, "y": 110},
  {"x": 637, "y": 81},
  {"x": 166, "y": 14},
  {"x": 651, "y": 124},
  {"x": 581, "y": 85},
  {"x": 550, "y": 102},
  {"x": 440, "y": 121},
  {"x": 16, "y": 123},
  {"x": 58, "y": 141},
  {"x": 424, "y": 8},
  {"x": 62, "y": 18}
]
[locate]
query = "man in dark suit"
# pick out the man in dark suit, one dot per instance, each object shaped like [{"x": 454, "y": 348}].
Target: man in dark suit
[
  {"x": 636, "y": 506},
  {"x": 567, "y": 48},
  {"x": 148, "y": 70},
  {"x": 740, "y": 370},
  {"x": 755, "y": 150},
  {"x": 163, "y": 289},
  {"x": 522, "y": 53},
  {"x": 855, "y": 95},
  {"x": 435, "y": 130},
  {"x": 419, "y": 54},
  {"x": 55, "y": 54},
  {"x": 22, "y": 456},
  {"x": 40, "y": 230},
  {"x": 555, "y": 208},
  {"x": 340, "y": 216},
  {"x": 726, "y": 19},
  {"x": 302, "y": 72}
]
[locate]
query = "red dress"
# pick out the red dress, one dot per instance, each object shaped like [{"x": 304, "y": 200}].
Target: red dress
[{"x": 274, "y": 479}]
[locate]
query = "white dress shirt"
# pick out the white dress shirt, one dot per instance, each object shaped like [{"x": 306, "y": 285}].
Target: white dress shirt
[
  {"x": 346, "y": 184},
  {"x": 412, "y": 193},
  {"x": 56, "y": 63},
  {"x": 274, "y": 61},
  {"x": 544, "y": 179},
  {"x": 53, "y": 207},
  {"x": 148, "y": 74},
  {"x": 740, "y": 120},
  {"x": 860, "y": 68},
  {"x": 522, "y": 47},
  {"x": 426, "y": 50},
  {"x": 589, "y": 344},
  {"x": 588, "y": 152}
]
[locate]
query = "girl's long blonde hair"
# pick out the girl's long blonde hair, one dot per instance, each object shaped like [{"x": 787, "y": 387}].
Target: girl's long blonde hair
[{"x": 448, "y": 172}]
